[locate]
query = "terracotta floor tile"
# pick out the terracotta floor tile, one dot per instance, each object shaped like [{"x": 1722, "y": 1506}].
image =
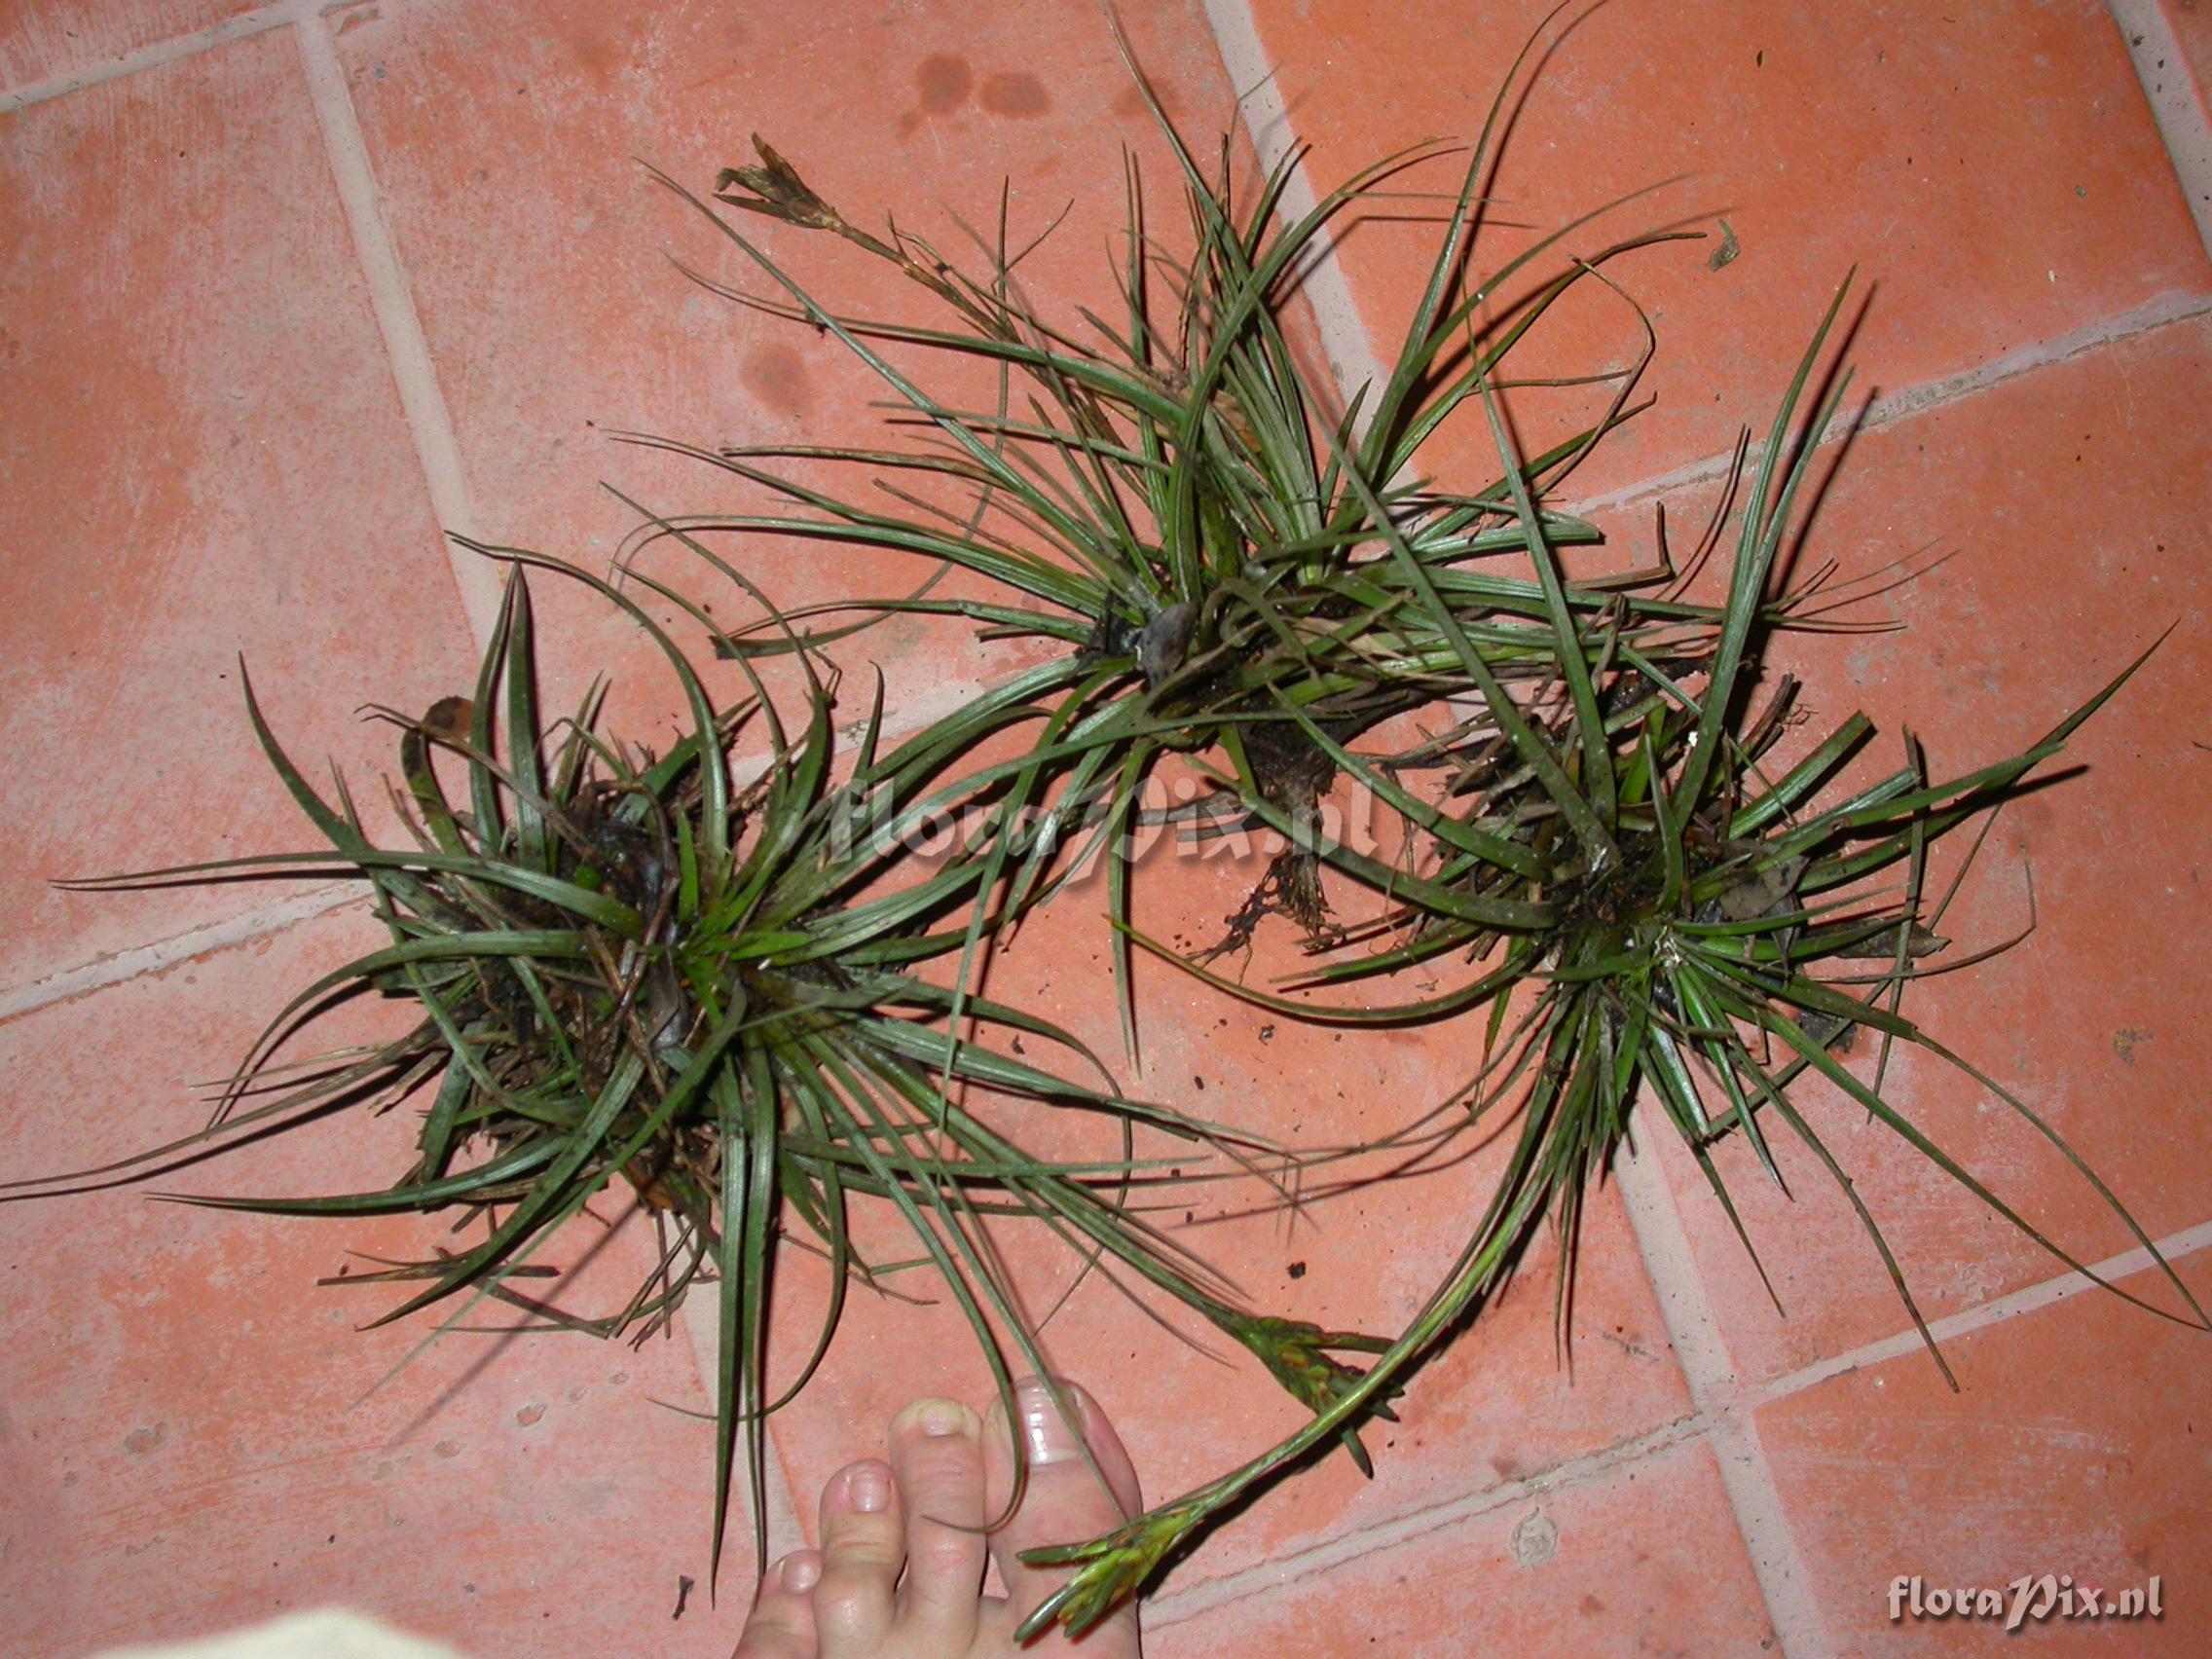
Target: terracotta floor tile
[
  {"x": 2077, "y": 1446},
  {"x": 538, "y": 249},
  {"x": 2192, "y": 23},
  {"x": 1497, "y": 1407},
  {"x": 1644, "y": 1561},
  {"x": 192, "y": 285},
  {"x": 41, "y": 39},
  {"x": 204, "y": 457},
  {"x": 2074, "y": 499},
  {"x": 1996, "y": 180},
  {"x": 183, "y": 1447}
]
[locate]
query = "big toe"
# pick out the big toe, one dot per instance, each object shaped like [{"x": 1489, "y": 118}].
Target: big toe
[{"x": 1066, "y": 1497}]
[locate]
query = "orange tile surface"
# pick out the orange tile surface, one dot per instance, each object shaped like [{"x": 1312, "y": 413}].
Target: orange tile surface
[
  {"x": 2072, "y": 501},
  {"x": 2077, "y": 1448},
  {"x": 1996, "y": 178},
  {"x": 42, "y": 38},
  {"x": 1495, "y": 1408},
  {"x": 203, "y": 457},
  {"x": 185, "y": 1442},
  {"x": 1645, "y": 1562},
  {"x": 572, "y": 322},
  {"x": 2192, "y": 23},
  {"x": 204, "y": 454}
]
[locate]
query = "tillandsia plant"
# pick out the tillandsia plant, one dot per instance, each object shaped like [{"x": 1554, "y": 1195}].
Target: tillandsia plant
[
  {"x": 1704, "y": 940},
  {"x": 1242, "y": 571},
  {"x": 648, "y": 970},
  {"x": 643, "y": 969},
  {"x": 1193, "y": 513}
]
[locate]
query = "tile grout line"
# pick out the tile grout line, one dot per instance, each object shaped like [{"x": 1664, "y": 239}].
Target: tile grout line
[
  {"x": 2175, "y": 1248},
  {"x": 2168, "y": 87},
  {"x": 240, "y": 27},
  {"x": 428, "y": 420},
  {"x": 1711, "y": 1423},
  {"x": 480, "y": 581},
  {"x": 1327, "y": 289},
  {"x": 1178, "y": 1606},
  {"x": 2147, "y": 318},
  {"x": 224, "y": 934},
  {"x": 1752, "y": 1495}
]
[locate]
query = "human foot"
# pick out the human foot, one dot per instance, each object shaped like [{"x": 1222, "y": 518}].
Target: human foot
[{"x": 949, "y": 1474}]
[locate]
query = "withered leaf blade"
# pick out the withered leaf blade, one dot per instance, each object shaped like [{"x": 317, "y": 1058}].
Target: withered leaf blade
[
  {"x": 1769, "y": 892},
  {"x": 1883, "y": 946}
]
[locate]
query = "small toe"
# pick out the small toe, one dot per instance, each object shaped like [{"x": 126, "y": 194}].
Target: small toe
[
  {"x": 863, "y": 1548},
  {"x": 780, "y": 1625},
  {"x": 1063, "y": 1501},
  {"x": 936, "y": 1452}
]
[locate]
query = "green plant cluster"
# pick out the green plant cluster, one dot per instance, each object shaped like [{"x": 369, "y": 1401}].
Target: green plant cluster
[{"x": 671, "y": 971}]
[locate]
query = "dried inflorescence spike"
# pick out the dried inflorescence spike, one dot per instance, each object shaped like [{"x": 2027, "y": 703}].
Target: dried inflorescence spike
[{"x": 775, "y": 189}]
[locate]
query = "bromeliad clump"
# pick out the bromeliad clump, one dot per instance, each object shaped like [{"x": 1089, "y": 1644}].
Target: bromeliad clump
[
  {"x": 1170, "y": 498},
  {"x": 1242, "y": 571},
  {"x": 648, "y": 971},
  {"x": 1694, "y": 928}
]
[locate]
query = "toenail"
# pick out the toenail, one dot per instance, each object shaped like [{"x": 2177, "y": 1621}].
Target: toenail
[
  {"x": 941, "y": 1416},
  {"x": 1046, "y": 1435},
  {"x": 801, "y": 1571},
  {"x": 868, "y": 1489}
]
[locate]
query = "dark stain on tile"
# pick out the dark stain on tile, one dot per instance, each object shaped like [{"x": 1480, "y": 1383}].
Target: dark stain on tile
[
  {"x": 777, "y": 375},
  {"x": 601, "y": 59},
  {"x": 945, "y": 81},
  {"x": 1016, "y": 93},
  {"x": 1129, "y": 101}
]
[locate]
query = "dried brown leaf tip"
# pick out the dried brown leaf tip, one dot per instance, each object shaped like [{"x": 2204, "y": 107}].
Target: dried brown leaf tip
[
  {"x": 774, "y": 188},
  {"x": 451, "y": 718}
]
